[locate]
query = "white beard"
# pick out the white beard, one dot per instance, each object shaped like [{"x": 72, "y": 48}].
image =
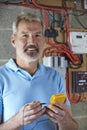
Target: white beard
[{"x": 28, "y": 58}]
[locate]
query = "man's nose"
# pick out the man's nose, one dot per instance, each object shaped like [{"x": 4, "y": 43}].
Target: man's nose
[{"x": 31, "y": 39}]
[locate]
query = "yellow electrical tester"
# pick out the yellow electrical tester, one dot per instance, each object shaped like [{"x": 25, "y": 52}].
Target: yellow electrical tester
[{"x": 61, "y": 98}]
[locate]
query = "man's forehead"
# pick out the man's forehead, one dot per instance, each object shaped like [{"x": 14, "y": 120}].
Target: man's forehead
[
  {"x": 33, "y": 26},
  {"x": 31, "y": 32},
  {"x": 34, "y": 23}
]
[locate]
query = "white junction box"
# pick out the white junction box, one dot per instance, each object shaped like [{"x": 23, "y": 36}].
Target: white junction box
[
  {"x": 85, "y": 4},
  {"x": 78, "y": 42}
]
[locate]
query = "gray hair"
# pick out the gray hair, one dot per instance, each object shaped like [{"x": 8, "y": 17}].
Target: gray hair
[{"x": 26, "y": 17}]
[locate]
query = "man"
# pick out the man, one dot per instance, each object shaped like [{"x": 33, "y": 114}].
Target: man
[{"x": 26, "y": 85}]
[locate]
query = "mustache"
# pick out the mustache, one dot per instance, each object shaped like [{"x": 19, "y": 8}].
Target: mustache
[{"x": 31, "y": 46}]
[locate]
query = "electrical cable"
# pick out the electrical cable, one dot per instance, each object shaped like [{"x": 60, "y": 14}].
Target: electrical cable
[
  {"x": 34, "y": 4},
  {"x": 60, "y": 23},
  {"x": 27, "y": 3},
  {"x": 46, "y": 19},
  {"x": 46, "y": 7},
  {"x": 30, "y": 1},
  {"x": 60, "y": 49},
  {"x": 56, "y": 49},
  {"x": 11, "y": 1},
  {"x": 54, "y": 8},
  {"x": 73, "y": 98},
  {"x": 80, "y": 23},
  {"x": 75, "y": 14},
  {"x": 77, "y": 65},
  {"x": 18, "y": 3},
  {"x": 77, "y": 18}
]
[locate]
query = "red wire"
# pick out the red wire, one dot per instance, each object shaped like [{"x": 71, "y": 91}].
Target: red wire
[
  {"x": 56, "y": 9},
  {"x": 46, "y": 19},
  {"x": 22, "y": 4},
  {"x": 45, "y": 8},
  {"x": 27, "y": 4},
  {"x": 67, "y": 30},
  {"x": 77, "y": 97},
  {"x": 61, "y": 48},
  {"x": 66, "y": 24}
]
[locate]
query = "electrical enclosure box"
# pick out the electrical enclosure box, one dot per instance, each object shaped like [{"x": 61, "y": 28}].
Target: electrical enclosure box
[
  {"x": 79, "y": 81},
  {"x": 78, "y": 42}
]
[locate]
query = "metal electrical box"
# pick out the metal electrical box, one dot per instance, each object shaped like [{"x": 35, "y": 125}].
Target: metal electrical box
[
  {"x": 78, "y": 42},
  {"x": 79, "y": 81}
]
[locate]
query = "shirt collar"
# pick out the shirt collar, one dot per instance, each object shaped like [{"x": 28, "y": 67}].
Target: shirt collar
[{"x": 12, "y": 65}]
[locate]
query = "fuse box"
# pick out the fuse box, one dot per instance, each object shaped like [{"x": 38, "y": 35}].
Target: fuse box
[{"x": 79, "y": 81}]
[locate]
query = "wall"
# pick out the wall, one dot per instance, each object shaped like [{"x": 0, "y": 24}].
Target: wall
[{"x": 7, "y": 16}]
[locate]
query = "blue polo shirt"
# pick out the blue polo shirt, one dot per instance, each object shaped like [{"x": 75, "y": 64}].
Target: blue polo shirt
[{"x": 17, "y": 88}]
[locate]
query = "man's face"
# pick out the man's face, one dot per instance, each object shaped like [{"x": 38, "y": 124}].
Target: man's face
[{"x": 28, "y": 41}]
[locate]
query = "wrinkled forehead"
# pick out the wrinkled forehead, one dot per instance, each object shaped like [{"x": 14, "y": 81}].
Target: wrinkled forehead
[{"x": 26, "y": 26}]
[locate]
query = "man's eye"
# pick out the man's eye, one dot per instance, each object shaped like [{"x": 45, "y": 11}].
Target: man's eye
[
  {"x": 38, "y": 35},
  {"x": 24, "y": 36}
]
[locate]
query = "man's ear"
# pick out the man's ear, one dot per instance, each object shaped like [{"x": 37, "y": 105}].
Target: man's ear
[{"x": 13, "y": 40}]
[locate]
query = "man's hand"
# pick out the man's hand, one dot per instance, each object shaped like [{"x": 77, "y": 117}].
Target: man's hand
[
  {"x": 30, "y": 112},
  {"x": 61, "y": 114}
]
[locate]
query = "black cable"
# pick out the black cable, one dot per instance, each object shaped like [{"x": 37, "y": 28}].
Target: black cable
[
  {"x": 76, "y": 65},
  {"x": 77, "y": 18},
  {"x": 78, "y": 15},
  {"x": 11, "y": 1},
  {"x": 14, "y": 1},
  {"x": 80, "y": 23},
  {"x": 57, "y": 42},
  {"x": 60, "y": 23},
  {"x": 30, "y": 1}
]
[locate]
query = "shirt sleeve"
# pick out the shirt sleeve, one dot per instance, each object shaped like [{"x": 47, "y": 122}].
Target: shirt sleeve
[
  {"x": 1, "y": 100},
  {"x": 0, "y": 105}
]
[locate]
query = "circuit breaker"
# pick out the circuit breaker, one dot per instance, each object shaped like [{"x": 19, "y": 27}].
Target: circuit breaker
[{"x": 79, "y": 81}]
